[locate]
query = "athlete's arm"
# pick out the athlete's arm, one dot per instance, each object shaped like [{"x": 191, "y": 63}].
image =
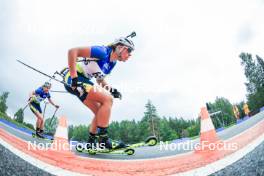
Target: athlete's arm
[
  {"x": 31, "y": 95},
  {"x": 72, "y": 57},
  {"x": 104, "y": 84},
  {"x": 115, "y": 93},
  {"x": 51, "y": 102}
]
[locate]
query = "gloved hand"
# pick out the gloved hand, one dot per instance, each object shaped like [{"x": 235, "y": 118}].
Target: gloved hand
[
  {"x": 31, "y": 98},
  {"x": 77, "y": 87},
  {"x": 57, "y": 106},
  {"x": 115, "y": 93},
  {"x": 74, "y": 83}
]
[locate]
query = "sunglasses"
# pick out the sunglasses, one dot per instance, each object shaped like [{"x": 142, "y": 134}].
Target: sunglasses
[{"x": 129, "y": 50}]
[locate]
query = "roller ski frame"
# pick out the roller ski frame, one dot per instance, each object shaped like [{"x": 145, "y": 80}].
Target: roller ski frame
[
  {"x": 34, "y": 135},
  {"x": 129, "y": 150}
]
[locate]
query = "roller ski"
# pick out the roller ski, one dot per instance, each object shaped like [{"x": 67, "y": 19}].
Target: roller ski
[{"x": 116, "y": 147}]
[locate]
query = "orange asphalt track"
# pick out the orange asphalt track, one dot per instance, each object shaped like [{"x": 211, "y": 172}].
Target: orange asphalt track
[{"x": 160, "y": 166}]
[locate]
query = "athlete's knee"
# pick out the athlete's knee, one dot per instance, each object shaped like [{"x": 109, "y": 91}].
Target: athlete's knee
[
  {"x": 94, "y": 110},
  {"x": 109, "y": 100},
  {"x": 41, "y": 120},
  {"x": 39, "y": 116}
]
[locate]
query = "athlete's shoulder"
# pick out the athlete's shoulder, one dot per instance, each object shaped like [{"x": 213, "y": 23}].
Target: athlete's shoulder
[
  {"x": 100, "y": 52},
  {"x": 39, "y": 90}
]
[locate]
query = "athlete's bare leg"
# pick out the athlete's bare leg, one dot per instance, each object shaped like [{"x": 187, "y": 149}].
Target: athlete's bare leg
[
  {"x": 102, "y": 116},
  {"x": 40, "y": 121},
  {"x": 94, "y": 106}
]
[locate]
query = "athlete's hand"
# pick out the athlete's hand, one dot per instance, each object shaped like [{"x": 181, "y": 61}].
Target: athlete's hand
[
  {"x": 31, "y": 98},
  {"x": 74, "y": 83},
  {"x": 57, "y": 106},
  {"x": 115, "y": 93},
  {"x": 77, "y": 87}
]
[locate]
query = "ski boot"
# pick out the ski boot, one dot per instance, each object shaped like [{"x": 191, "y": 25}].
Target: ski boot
[
  {"x": 39, "y": 135},
  {"x": 91, "y": 143},
  {"x": 89, "y": 146},
  {"x": 107, "y": 143}
]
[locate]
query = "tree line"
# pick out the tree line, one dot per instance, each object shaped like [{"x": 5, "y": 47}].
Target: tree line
[{"x": 151, "y": 124}]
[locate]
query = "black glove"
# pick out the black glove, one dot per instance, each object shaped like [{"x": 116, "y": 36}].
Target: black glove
[
  {"x": 31, "y": 98},
  {"x": 115, "y": 93},
  {"x": 77, "y": 88},
  {"x": 74, "y": 83}
]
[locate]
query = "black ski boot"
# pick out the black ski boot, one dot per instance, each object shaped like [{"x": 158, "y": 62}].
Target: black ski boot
[
  {"x": 107, "y": 143},
  {"x": 39, "y": 134},
  {"x": 91, "y": 143}
]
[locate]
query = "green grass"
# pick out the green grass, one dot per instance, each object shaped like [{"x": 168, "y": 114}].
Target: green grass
[
  {"x": 6, "y": 117},
  {"x": 194, "y": 137},
  {"x": 229, "y": 125}
]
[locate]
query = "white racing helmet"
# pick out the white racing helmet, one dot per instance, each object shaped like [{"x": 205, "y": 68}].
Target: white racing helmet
[
  {"x": 126, "y": 42},
  {"x": 47, "y": 84}
]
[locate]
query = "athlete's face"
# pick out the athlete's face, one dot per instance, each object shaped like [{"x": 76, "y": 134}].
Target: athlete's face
[
  {"x": 46, "y": 89},
  {"x": 125, "y": 53}
]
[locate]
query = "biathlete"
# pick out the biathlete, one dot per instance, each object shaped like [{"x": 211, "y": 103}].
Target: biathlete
[
  {"x": 36, "y": 97},
  {"x": 98, "y": 62}
]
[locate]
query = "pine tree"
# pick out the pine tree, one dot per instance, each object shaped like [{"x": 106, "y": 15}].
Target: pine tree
[
  {"x": 19, "y": 116},
  {"x": 254, "y": 72},
  {"x": 50, "y": 125},
  {"x": 3, "y": 98},
  {"x": 152, "y": 119}
]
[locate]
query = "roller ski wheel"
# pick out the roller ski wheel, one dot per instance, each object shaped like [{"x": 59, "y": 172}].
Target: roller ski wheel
[
  {"x": 151, "y": 141},
  {"x": 34, "y": 135},
  {"x": 129, "y": 151},
  {"x": 79, "y": 147},
  {"x": 91, "y": 152}
]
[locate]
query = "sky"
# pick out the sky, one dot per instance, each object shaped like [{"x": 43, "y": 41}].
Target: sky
[{"x": 186, "y": 51}]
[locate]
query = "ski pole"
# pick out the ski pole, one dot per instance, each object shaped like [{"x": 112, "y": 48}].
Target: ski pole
[
  {"x": 53, "y": 116},
  {"x": 44, "y": 109},
  {"x": 25, "y": 107},
  {"x": 86, "y": 60},
  {"x": 58, "y": 91},
  {"x": 28, "y": 101},
  {"x": 51, "y": 77}
]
